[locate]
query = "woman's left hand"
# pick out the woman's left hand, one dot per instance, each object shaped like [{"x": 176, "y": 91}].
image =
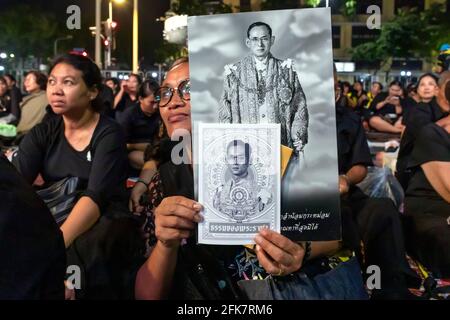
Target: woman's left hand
[{"x": 277, "y": 254}]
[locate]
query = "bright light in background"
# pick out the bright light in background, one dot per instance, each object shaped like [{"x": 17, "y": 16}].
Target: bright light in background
[
  {"x": 12, "y": 55},
  {"x": 2, "y": 68},
  {"x": 408, "y": 74},
  {"x": 119, "y": 1},
  {"x": 84, "y": 54},
  {"x": 126, "y": 77},
  {"x": 120, "y": 76},
  {"x": 3, "y": 55},
  {"x": 154, "y": 74},
  {"x": 403, "y": 73},
  {"x": 345, "y": 66}
]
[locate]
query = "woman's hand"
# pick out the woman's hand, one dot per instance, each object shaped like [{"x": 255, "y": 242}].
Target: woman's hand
[
  {"x": 277, "y": 254},
  {"x": 175, "y": 218},
  {"x": 134, "y": 203}
]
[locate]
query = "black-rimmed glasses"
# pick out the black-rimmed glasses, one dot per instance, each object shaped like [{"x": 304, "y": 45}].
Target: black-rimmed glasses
[{"x": 164, "y": 94}]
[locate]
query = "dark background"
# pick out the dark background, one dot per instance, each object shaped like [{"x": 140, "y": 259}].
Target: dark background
[{"x": 150, "y": 31}]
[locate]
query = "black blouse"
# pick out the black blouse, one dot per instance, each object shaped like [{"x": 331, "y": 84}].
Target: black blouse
[
  {"x": 433, "y": 144},
  {"x": 101, "y": 165},
  {"x": 352, "y": 142}
]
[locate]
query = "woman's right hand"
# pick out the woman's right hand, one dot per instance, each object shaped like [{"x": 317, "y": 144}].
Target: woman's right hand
[
  {"x": 175, "y": 219},
  {"x": 136, "y": 193}
]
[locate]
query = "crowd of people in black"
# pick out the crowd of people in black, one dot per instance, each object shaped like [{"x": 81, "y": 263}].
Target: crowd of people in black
[{"x": 76, "y": 131}]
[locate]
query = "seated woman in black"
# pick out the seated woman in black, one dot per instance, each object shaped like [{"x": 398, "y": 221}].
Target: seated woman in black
[
  {"x": 174, "y": 217},
  {"x": 127, "y": 95},
  {"x": 387, "y": 110},
  {"x": 6, "y": 114},
  {"x": 140, "y": 122},
  {"x": 431, "y": 109},
  {"x": 82, "y": 143},
  {"x": 427, "y": 203}
]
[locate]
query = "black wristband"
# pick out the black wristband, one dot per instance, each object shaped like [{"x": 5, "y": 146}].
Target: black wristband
[{"x": 143, "y": 182}]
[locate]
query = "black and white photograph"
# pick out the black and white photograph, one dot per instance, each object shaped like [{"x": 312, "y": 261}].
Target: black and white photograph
[
  {"x": 240, "y": 181},
  {"x": 275, "y": 67}
]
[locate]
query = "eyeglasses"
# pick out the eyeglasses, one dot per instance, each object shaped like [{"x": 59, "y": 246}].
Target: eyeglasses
[
  {"x": 257, "y": 40},
  {"x": 164, "y": 94}
]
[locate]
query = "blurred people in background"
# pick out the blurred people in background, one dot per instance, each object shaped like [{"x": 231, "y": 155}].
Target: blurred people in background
[
  {"x": 33, "y": 106},
  {"x": 423, "y": 114},
  {"x": 114, "y": 84},
  {"x": 387, "y": 110},
  {"x": 128, "y": 94},
  {"x": 15, "y": 94},
  {"x": 6, "y": 113},
  {"x": 141, "y": 121}
]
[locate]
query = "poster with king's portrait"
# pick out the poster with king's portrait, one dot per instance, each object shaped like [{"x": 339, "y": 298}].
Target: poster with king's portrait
[{"x": 274, "y": 67}]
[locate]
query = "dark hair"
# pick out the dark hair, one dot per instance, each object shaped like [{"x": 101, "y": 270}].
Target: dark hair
[
  {"x": 89, "y": 72},
  {"x": 41, "y": 79},
  {"x": 114, "y": 80},
  {"x": 248, "y": 149},
  {"x": 396, "y": 83},
  {"x": 10, "y": 76},
  {"x": 2, "y": 79},
  {"x": 258, "y": 24},
  {"x": 412, "y": 87},
  {"x": 147, "y": 88},
  {"x": 428, "y": 74},
  {"x": 138, "y": 77},
  {"x": 379, "y": 83}
]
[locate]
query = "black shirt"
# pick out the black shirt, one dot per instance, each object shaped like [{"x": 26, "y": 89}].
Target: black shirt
[
  {"x": 32, "y": 252},
  {"x": 423, "y": 114},
  {"x": 138, "y": 127},
  {"x": 352, "y": 142},
  {"x": 123, "y": 105},
  {"x": 433, "y": 144},
  {"x": 387, "y": 109},
  {"x": 102, "y": 165}
]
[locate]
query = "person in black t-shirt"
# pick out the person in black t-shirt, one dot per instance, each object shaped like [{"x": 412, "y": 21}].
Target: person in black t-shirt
[
  {"x": 127, "y": 95},
  {"x": 426, "y": 112},
  {"x": 99, "y": 233},
  {"x": 387, "y": 110},
  {"x": 140, "y": 123},
  {"x": 427, "y": 203},
  {"x": 33, "y": 260}
]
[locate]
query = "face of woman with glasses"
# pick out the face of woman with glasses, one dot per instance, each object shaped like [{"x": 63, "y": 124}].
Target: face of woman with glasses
[
  {"x": 259, "y": 42},
  {"x": 174, "y": 99}
]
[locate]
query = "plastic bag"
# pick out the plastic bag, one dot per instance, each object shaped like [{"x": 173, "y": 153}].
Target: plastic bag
[{"x": 381, "y": 183}]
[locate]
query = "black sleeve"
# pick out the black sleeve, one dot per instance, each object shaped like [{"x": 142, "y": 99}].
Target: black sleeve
[
  {"x": 360, "y": 149},
  {"x": 30, "y": 157},
  {"x": 109, "y": 165},
  {"x": 125, "y": 122},
  {"x": 418, "y": 119},
  {"x": 433, "y": 144}
]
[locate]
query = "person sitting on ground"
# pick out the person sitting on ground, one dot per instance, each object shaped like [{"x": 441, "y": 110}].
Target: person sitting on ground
[
  {"x": 428, "y": 111},
  {"x": 15, "y": 94},
  {"x": 33, "y": 106},
  {"x": 6, "y": 113},
  {"x": 361, "y": 96},
  {"x": 174, "y": 215},
  {"x": 427, "y": 202},
  {"x": 114, "y": 84},
  {"x": 387, "y": 110},
  {"x": 373, "y": 222},
  {"x": 140, "y": 123},
  {"x": 99, "y": 233},
  {"x": 127, "y": 95}
]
